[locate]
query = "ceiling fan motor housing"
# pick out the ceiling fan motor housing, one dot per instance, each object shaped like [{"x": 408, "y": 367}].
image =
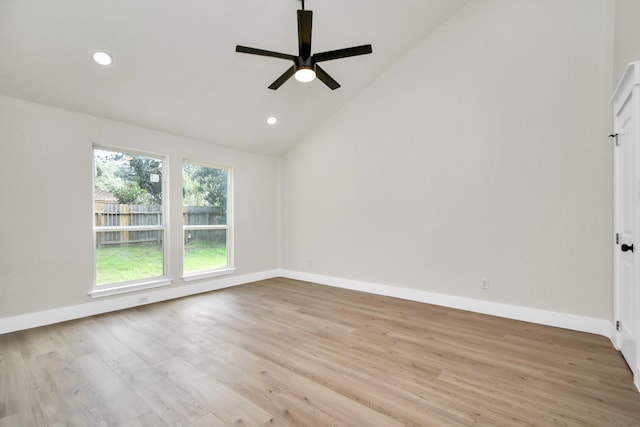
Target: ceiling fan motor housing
[{"x": 302, "y": 63}]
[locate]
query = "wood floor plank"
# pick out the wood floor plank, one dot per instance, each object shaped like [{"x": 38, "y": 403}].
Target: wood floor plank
[
  {"x": 209, "y": 420},
  {"x": 215, "y": 396},
  {"x": 287, "y": 353},
  {"x": 90, "y": 417},
  {"x": 57, "y": 391},
  {"x": 171, "y": 403},
  {"x": 34, "y": 342},
  {"x": 149, "y": 347},
  {"x": 299, "y": 400},
  {"x": 105, "y": 391},
  {"x": 18, "y": 401},
  {"x": 148, "y": 419}
]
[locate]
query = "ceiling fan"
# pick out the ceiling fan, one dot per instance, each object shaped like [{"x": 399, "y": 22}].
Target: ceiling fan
[{"x": 305, "y": 66}]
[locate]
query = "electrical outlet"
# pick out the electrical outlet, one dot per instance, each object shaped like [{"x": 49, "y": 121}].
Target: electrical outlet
[
  {"x": 485, "y": 285},
  {"x": 309, "y": 263}
]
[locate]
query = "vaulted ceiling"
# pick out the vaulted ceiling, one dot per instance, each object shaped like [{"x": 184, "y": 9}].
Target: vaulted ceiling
[{"x": 175, "y": 68}]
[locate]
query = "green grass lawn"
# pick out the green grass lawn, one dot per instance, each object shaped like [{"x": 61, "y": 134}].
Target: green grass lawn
[
  {"x": 204, "y": 255},
  {"x": 116, "y": 264}
]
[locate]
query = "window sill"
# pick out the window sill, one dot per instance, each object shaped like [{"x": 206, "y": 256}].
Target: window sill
[
  {"x": 130, "y": 287},
  {"x": 207, "y": 274}
]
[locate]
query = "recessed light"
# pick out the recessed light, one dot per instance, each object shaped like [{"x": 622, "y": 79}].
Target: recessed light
[
  {"x": 102, "y": 58},
  {"x": 272, "y": 120}
]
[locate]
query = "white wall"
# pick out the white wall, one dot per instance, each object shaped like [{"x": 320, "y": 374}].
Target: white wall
[
  {"x": 46, "y": 243},
  {"x": 627, "y": 35},
  {"x": 482, "y": 154}
]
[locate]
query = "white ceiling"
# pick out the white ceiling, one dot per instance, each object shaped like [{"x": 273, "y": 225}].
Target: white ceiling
[{"x": 175, "y": 67}]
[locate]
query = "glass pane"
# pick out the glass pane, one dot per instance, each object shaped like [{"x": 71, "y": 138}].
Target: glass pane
[
  {"x": 126, "y": 178},
  {"x": 204, "y": 250},
  {"x": 204, "y": 191},
  {"x": 119, "y": 260}
]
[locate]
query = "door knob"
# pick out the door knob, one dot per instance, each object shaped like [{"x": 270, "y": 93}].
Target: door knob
[{"x": 626, "y": 248}]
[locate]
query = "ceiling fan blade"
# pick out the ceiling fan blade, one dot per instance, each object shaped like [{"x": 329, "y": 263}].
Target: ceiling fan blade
[
  {"x": 305, "y": 18},
  {"x": 262, "y": 52},
  {"x": 283, "y": 78},
  {"x": 326, "y": 78},
  {"x": 342, "y": 53}
]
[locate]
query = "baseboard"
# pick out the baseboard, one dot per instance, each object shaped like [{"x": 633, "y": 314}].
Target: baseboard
[
  {"x": 543, "y": 317},
  {"x": 550, "y": 318},
  {"x": 48, "y": 317}
]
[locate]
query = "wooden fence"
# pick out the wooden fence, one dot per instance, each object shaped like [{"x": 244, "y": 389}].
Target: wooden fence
[{"x": 114, "y": 214}]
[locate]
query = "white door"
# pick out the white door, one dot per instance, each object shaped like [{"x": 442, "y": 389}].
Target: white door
[{"x": 626, "y": 104}]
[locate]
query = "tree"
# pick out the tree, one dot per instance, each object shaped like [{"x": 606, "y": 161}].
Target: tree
[
  {"x": 147, "y": 174},
  {"x": 131, "y": 194},
  {"x": 205, "y": 186},
  {"x": 107, "y": 165},
  {"x": 133, "y": 179}
]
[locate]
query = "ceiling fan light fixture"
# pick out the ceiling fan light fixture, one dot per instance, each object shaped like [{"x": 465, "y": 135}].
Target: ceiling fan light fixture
[{"x": 305, "y": 75}]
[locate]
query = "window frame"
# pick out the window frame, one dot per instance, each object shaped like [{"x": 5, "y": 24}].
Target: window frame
[
  {"x": 230, "y": 267},
  {"x": 108, "y": 289}
]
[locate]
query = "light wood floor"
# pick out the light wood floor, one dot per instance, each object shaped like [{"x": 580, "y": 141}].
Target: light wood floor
[{"x": 288, "y": 353}]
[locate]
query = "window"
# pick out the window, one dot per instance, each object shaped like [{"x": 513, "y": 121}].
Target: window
[
  {"x": 129, "y": 228},
  {"x": 206, "y": 220}
]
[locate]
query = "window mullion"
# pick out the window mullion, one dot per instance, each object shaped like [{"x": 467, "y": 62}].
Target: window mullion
[
  {"x": 205, "y": 227},
  {"x": 129, "y": 228}
]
